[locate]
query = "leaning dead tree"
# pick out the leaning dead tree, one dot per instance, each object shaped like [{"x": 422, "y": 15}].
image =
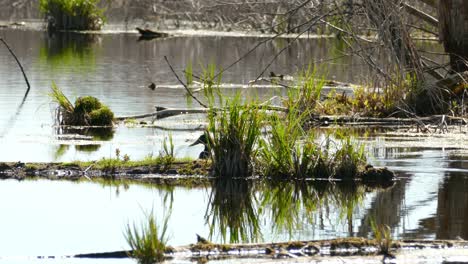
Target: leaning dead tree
[{"x": 453, "y": 16}]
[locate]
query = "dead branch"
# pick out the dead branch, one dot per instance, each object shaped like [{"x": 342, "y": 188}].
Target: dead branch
[
  {"x": 420, "y": 14},
  {"x": 166, "y": 113},
  {"x": 20, "y": 66},
  {"x": 169, "y": 112},
  {"x": 183, "y": 84}
]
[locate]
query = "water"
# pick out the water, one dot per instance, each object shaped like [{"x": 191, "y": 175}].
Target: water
[
  {"x": 41, "y": 217},
  {"x": 117, "y": 69}
]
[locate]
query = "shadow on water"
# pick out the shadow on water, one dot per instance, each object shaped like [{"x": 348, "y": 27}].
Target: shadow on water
[
  {"x": 87, "y": 135},
  {"x": 96, "y": 133},
  {"x": 452, "y": 204}
]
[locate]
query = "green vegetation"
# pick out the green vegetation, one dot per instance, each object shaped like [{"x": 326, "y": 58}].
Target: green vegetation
[
  {"x": 232, "y": 210},
  {"x": 72, "y": 14},
  {"x": 70, "y": 51},
  {"x": 383, "y": 237},
  {"x": 148, "y": 243},
  {"x": 234, "y": 132},
  {"x": 87, "y": 111},
  {"x": 287, "y": 149},
  {"x": 237, "y": 208}
]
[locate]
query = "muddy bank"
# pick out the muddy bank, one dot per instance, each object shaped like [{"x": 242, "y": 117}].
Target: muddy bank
[
  {"x": 195, "y": 172},
  {"x": 341, "y": 247}
]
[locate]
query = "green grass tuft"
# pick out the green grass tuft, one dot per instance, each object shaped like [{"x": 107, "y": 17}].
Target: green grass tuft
[
  {"x": 87, "y": 111},
  {"x": 234, "y": 132},
  {"x": 147, "y": 242}
]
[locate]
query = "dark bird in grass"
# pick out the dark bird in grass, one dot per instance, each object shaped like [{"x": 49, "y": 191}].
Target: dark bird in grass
[
  {"x": 203, "y": 139},
  {"x": 202, "y": 240},
  {"x": 152, "y": 86},
  {"x": 276, "y": 76}
]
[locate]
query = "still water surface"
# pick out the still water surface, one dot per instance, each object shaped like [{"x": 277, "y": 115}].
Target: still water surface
[{"x": 429, "y": 200}]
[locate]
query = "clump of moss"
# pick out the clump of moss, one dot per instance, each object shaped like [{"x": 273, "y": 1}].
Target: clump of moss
[
  {"x": 101, "y": 117},
  {"x": 87, "y": 104},
  {"x": 87, "y": 110}
]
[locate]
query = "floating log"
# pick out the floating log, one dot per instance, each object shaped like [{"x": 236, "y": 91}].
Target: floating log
[{"x": 148, "y": 33}]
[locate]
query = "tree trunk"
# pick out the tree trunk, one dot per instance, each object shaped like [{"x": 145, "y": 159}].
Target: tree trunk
[{"x": 453, "y": 22}]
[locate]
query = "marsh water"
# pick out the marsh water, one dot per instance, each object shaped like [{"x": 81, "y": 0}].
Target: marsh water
[{"x": 39, "y": 217}]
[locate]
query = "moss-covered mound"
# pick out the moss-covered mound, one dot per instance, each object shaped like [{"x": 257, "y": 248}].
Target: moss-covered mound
[
  {"x": 90, "y": 111},
  {"x": 87, "y": 110}
]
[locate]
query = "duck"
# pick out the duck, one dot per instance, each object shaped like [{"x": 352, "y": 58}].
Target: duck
[{"x": 203, "y": 139}]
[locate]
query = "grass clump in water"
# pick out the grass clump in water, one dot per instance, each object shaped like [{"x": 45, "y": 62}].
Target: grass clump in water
[
  {"x": 383, "y": 237},
  {"x": 72, "y": 14},
  {"x": 287, "y": 150},
  {"x": 234, "y": 132},
  {"x": 87, "y": 110},
  {"x": 149, "y": 242},
  {"x": 348, "y": 159},
  {"x": 290, "y": 151}
]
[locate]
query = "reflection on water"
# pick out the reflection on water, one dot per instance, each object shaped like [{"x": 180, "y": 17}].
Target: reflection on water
[
  {"x": 88, "y": 217},
  {"x": 232, "y": 211},
  {"x": 241, "y": 211},
  {"x": 117, "y": 69},
  {"x": 69, "y": 51},
  {"x": 295, "y": 207},
  {"x": 429, "y": 199}
]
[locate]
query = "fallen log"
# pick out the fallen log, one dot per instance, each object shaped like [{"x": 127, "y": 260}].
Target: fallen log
[
  {"x": 166, "y": 113},
  {"x": 319, "y": 120},
  {"x": 388, "y": 121},
  {"x": 147, "y": 33},
  {"x": 169, "y": 112}
]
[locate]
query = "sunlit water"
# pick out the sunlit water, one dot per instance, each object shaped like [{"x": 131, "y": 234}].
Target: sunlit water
[
  {"x": 117, "y": 69},
  {"x": 429, "y": 200}
]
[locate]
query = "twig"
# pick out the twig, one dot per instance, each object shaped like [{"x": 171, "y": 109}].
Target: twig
[
  {"x": 183, "y": 84},
  {"x": 19, "y": 64}
]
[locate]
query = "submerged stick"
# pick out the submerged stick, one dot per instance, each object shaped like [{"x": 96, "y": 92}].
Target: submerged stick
[{"x": 19, "y": 64}]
